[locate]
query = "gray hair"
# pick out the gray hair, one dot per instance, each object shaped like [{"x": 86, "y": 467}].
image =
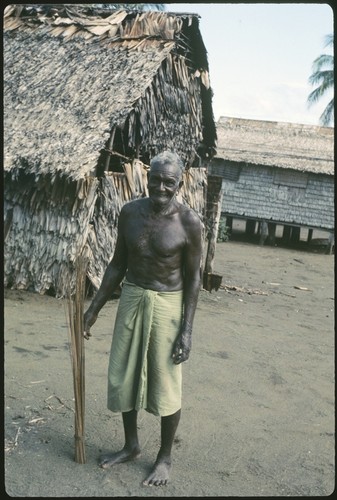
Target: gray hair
[{"x": 168, "y": 157}]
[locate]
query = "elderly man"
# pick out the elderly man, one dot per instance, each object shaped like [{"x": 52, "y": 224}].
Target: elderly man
[{"x": 158, "y": 255}]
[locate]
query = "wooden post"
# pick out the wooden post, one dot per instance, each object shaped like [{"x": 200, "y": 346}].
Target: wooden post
[
  {"x": 229, "y": 222},
  {"x": 8, "y": 222},
  {"x": 110, "y": 145},
  {"x": 331, "y": 244},
  {"x": 250, "y": 227},
  {"x": 295, "y": 235},
  {"x": 263, "y": 231},
  {"x": 213, "y": 213},
  {"x": 286, "y": 234},
  {"x": 271, "y": 233}
]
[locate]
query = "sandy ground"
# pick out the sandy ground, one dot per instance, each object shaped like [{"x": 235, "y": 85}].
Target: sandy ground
[{"x": 258, "y": 404}]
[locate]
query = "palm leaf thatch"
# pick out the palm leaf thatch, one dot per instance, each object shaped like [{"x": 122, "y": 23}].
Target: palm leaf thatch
[
  {"x": 90, "y": 97},
  {"x": 303, "y": 148}
]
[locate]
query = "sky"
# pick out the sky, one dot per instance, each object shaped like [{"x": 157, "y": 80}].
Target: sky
[{"x": 260, "y": 57}]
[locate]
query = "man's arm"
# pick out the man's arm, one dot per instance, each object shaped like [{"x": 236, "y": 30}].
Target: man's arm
[
  {"x": 192, "y": 277},
  {"x": 112, "y": 277}
]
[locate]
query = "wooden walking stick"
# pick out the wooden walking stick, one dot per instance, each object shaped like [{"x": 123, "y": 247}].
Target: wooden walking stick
[{"x": 75, "y": 313}]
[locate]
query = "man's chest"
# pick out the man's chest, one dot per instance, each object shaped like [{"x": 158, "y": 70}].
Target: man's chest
[{"x": 159, "y": 238}]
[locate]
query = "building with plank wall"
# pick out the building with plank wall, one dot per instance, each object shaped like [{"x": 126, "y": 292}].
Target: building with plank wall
[{"x": 276, "y": 173}]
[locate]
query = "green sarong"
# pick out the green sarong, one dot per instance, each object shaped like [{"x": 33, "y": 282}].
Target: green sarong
[{"x": 141, "y": 369}]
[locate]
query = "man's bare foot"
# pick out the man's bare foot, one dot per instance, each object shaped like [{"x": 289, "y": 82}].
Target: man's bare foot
[
  {"x": 119, "y": 457},
  {"x": 159, "y": 475}
]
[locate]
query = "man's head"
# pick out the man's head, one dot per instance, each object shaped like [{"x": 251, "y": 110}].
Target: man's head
[
  {"x": 168, "y": 158},
  {"x": 165, "y": 177}
]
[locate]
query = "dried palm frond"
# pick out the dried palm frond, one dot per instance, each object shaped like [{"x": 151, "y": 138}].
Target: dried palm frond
[{"x": 75, "y": 315}]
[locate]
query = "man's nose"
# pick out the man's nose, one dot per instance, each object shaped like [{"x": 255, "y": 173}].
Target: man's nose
[{"x": 161, "y": 186}]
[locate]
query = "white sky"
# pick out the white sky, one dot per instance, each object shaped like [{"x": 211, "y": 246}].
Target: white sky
[{"x": 260, "y": 57}]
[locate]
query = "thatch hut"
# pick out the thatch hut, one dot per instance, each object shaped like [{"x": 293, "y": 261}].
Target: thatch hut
[
  {"x": 90, "y": 97},
  {"x": 276, "y": 173}
]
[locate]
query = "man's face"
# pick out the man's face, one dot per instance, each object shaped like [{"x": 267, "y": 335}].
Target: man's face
[{"x": 164, "y": 182}]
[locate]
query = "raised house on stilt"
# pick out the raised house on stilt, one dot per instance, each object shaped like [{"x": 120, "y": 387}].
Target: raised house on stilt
[
  {"x": 276, "y": 173},
  {"x": 90, "y": 96}
]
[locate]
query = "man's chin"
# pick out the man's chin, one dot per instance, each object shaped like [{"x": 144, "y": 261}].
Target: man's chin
[{"x": 160, "y": 200}]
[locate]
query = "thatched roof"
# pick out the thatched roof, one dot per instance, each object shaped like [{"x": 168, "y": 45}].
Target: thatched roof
[
  {"x": 70, "y": 78},
  {"x": 305, "y": 148}
]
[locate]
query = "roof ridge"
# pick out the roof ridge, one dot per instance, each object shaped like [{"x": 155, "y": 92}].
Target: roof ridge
[{"x": 119, "y": 25}]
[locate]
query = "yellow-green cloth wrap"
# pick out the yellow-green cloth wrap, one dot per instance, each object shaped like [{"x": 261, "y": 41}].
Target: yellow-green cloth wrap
[{"x": 141, "y": 370}]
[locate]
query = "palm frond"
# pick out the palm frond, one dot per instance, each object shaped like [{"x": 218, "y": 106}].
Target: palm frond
[
  {"x": 315, "y": 96},
  {"x": 321, "y": 61},
  {"x": 328, "y": 40},
  {"x": 75, "y": 317},
  {"x": 318, "y": 93},
  {"x": 327, "y": 116},
  {"x": 323, "y": 76}
]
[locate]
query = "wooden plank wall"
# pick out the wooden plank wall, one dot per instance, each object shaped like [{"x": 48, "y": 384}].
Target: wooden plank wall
[{"x": 257, "y": 194}]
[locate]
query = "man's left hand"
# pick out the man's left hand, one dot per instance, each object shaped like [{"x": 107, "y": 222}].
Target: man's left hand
[{"x": 182, "y": 348}]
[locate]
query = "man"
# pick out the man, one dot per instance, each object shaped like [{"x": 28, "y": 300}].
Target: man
[{"x": 158, "y": 252}]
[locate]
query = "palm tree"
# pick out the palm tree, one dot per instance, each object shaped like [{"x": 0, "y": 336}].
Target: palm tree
[{"x": 323, "y": 76}]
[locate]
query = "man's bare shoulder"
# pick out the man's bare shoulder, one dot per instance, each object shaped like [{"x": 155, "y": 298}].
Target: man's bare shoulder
[
  {"x": 188, "y": 213},
  {"x": 190, "y": 217},
  {"x": 134, "y": 206}
]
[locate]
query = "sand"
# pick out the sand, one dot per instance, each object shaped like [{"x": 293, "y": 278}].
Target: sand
[{"x": 258, "y": 393}]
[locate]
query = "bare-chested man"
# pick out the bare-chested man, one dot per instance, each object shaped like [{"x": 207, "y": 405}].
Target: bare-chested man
[{"x": 158, "y": 254}]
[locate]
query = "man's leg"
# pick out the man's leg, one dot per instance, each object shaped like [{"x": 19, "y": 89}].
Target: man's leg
[
  {"x": 131, "y": 448},
  {"x": 161, "y": 470}
]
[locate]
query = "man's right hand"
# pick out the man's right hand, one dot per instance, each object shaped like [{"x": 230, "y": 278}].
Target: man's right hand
[{"x": 89, "y": 320}]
